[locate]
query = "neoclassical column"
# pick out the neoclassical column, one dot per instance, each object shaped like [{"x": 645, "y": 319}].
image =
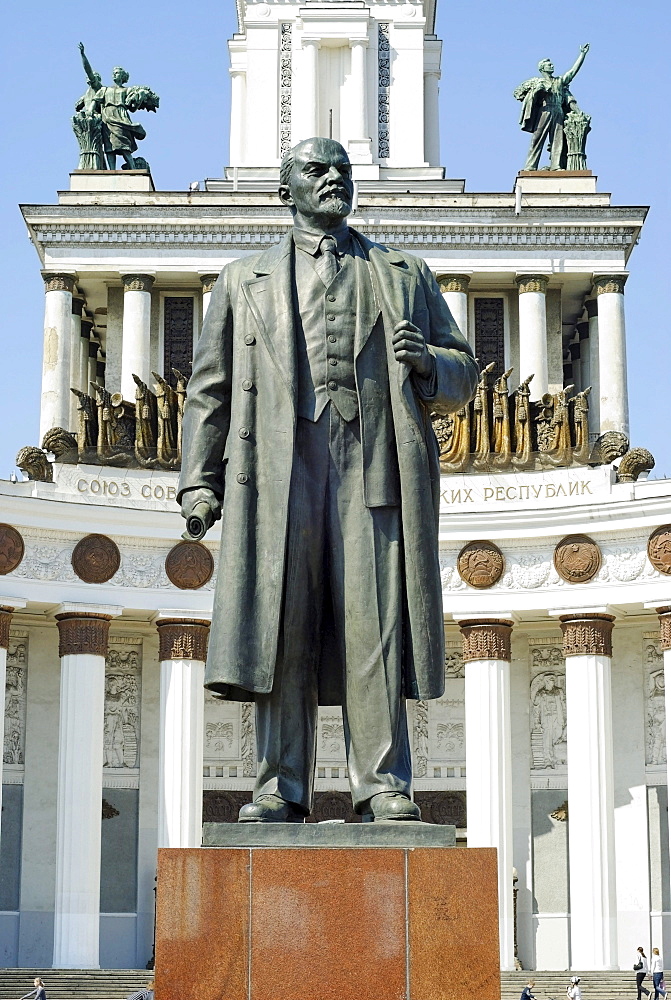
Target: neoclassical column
[
  {"x": 93, "y": 362},
  {"x": 583, "y": 340},
  {"x": 594, "y": 400},
  {"x": 207, "y": 281},
  {"x": 182, "y": 652},
  {"x": 486, "y": 644},
  {"x": 136, "y": 332},
  {"x": 57, "y": 356},
  {"x": 359, "y": 116},
  {"x": 533, "y": 331},
  {"x": 455, "y": 292},
  {"x": 431, "y": 118},
  {"x": 75, "y": 357},
  {"x": 237, "y": 133},
  {"x": 84, "y": 344},
  {"x": 613, "y": 400},
  {"x": 311, "y": 84},
  {"x": 576, "y": 372},
  {"x": 665, "y": 642},
  {"x": 83, "y": 632},
  {"x": 591, "y": 831},
  {"x": 7, "y": 608}
]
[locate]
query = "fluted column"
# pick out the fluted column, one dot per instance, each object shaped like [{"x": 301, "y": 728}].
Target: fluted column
[
  {"x": 454, "y": 288},
  {"x": 182, "y": 652},
  {"x": 488, "y": 756},
  {"x": 207, "y": 281},
  {"x": 84, "y": 344},
  {"x": 594, "y": 400},
  {"x": 83, "y": 633},
  {"x": 431, "y": 119},
  {"x": 533, "y": 330},
  {"x": 93, "y": 362},
  {"x": 591, "y": 832},
  {"x": 665, "y": 642},
  {"x": 359, "y": 118},
  {"x": 237, "y": 133},
  {"x": 7, "y": 608},
  {"x": 75, "y": 357},
  {"x": 57, "y": 356},
  {"x": 311, "y": 83},
  {"x": 613, "y": 400},
  {"x": 583, "y": 340},
  {"x": 136, "y": 332}
]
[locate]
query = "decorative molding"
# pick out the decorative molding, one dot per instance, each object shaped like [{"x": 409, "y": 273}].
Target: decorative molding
[
  {"x": 80, "y": 633},
  {"x": 123, "y": 671},
  {"x": 5, "y": 623},
  {"x": 189, "y": 565},
  {"x": 247, "y": 740},
  {"x": 96, "y": 558},
  {"x": 577, "y": 558},
  {"x": 655, "y": 706},
  {"x": 286, "y": 74},
  {"x": 664, "y": 628},
  {"x": 480, "y": 564},
  {"x": 453, "y": 282},
  {"x": 13, "y": 752},
  {"x": 12, "y": 549},
  {"x": 548, "y": 710},
  {"x": 420, "y": 739},
  {"x": 137, "y": 282},
  {"x": 487, "y": 639},
  {"x": 607, "y": 283},
  {"x": 383, "y": 89},
  {"x": 182, "y": 640},
  {"x": 587, "y": 635},
  {"x": 208, "y": 282},
  {"x": 58, "y": 282},
  {"x": 532, "y": 283},
  {"x": 659, "y": 549}
]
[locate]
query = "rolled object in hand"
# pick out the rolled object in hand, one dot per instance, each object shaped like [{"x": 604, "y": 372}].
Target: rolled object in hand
[{"x": 198, "y": 522}]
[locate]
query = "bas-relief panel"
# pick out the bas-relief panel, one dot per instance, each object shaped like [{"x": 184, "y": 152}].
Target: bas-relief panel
[
  {"x": 228, "y": 739},
  {"x": 655, "y": 741},
  {"x": 123, "y": 679},
  {"x": 547, "y": 697},
  {"x": 15, "y": 699},
  {"x": 439, "y": 726}
]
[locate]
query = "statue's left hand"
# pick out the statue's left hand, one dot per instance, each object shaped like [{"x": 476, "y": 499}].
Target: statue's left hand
[{"x": 410, "y": 347}]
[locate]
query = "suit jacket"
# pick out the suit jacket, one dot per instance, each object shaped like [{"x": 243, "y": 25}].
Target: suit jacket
[{"x": 238, "y": 438}]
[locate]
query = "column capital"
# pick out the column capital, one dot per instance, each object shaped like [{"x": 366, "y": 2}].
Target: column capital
[
  {"x": 453, "y": 282},
  {"x": 78, "y": 302},
  {"x": 360, "y": 42},
  {"x": 312, "y": 42},
  {"x": 182, "y": 638},
  {"x": 583, "y": 330},
  {"x": 58, "y": 281},
  {"x": 592, "y": 308},
  {"x": 664, "y": 627},
  {"x": 7, "y": 609},
  {"x": 207, "y": 281},
  {"x": 604, "y": 283},
  {"x": 587, "y": 634},
  {"x": 83, "y": 632},
  {"x": 87, "y": 327},
  {"x": 137, "y": 282},
  {"x": 486, "y": 638},
  {"x": 532, "y": 283}
]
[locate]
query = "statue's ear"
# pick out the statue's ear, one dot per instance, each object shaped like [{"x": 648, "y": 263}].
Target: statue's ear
[{"x": 285, "y": 195}]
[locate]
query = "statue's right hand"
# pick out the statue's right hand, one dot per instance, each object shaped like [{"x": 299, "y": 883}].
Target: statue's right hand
[
  {"x": 585, "y": 48},
  {"x": 208, "y": 509},
  {"x": 81, "y": 48}
]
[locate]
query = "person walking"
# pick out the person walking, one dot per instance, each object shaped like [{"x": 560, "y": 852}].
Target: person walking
[
  {"x": 526, "y": 992},
  {"x": 657, "y": 970},
  {"x": 641, "y": 968},
  {"x": 38, "y": 993},
  {"x": 573, "y": 989}
]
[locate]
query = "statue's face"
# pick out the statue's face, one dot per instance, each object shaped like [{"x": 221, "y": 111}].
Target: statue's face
[
  {"x": 120, "y": 76},
  {"x": 320, "y": 186},
  {"x": 547, "y": 67},
  {"x": 96, "y": 80}
]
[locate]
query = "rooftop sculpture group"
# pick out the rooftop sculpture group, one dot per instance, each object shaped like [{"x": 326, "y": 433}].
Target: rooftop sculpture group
[{"x": 102, "y": 122}]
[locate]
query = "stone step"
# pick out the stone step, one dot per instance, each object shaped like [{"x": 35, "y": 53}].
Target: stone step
[
  {"x": 552, "y": 985},
  {"x": 74, "y": 984}
]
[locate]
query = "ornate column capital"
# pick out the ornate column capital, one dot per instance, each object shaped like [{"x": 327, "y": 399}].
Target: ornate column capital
[
  {"x": 532, "y": 283},
  {"x": 664, "y": 627},
  {"x": 453, "y": 282},
  {"x": 587, "y": 634},
  {"x": 207, "y": 281},
  {"x": 5, "y": 622},
  {"x": 83, "y": 632},
  {"x": 592, "y": 308},
  {"x": 54, "y": 282},
  {"x": 182, "y": 639},
  {"x": 137, "y": 282},
  {"x": 609, "y": 283},
  {"x": 486, "y": 638}
]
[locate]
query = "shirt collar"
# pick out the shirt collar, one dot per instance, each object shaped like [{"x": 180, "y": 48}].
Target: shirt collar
[{"x": 310, "y": 242}]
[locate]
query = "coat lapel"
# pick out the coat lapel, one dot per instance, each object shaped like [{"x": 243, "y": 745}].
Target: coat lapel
[{"x": 270, "y": 299}]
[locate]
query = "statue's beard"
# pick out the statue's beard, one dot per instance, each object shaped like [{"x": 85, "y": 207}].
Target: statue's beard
[{"x": 336, "y": 206}]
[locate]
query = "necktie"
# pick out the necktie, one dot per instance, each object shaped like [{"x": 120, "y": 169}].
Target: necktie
[{"x": 327, "y": 263}]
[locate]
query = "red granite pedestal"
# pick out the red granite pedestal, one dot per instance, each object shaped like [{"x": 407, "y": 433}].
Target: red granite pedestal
[{"x": 297, "y": 923}]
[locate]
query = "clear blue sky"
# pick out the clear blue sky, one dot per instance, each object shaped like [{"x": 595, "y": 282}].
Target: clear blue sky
[{"x": 489, "y": 46}]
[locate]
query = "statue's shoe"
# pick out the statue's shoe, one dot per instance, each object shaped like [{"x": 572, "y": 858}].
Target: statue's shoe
[
  {"x": 270, "y": 809},
  {"x": 391, "y": 806}
]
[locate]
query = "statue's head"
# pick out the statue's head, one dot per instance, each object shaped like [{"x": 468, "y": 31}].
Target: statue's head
[
  {"x": 546, "y": 66},
  {"x": 316, "y": 182},
  {"x": 96, "y": 80},
  {"x": 120, "y": 75}
]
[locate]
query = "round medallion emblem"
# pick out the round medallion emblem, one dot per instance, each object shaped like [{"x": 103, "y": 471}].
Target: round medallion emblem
[
  {"x": 95, "y": 559},
  {"x": 480, "y": 564},
  {"x": 189, "y": 565},
  {"x": 11, "y": 548},
  {"x": 659, "y": 549},
  {"x": 577, "y": 559}
]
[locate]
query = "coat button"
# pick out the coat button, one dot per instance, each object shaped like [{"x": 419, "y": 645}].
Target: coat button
[
  {"x": 332, "y": 339},
  {"x": 244, "y": 432},
  {"x": 242, "y": 478},
  {"x": 332, "y": 361},
  {"x": 332, "y": 385},
  {"x": 247, "y": 384},
  {"x": 331, "y": 298},
  {"x": 330, "y": 317},
  {"x": 249, "y": 339}
]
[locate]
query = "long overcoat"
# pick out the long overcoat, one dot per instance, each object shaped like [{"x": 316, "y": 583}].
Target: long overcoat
[{"x": 238, "y": 440}]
